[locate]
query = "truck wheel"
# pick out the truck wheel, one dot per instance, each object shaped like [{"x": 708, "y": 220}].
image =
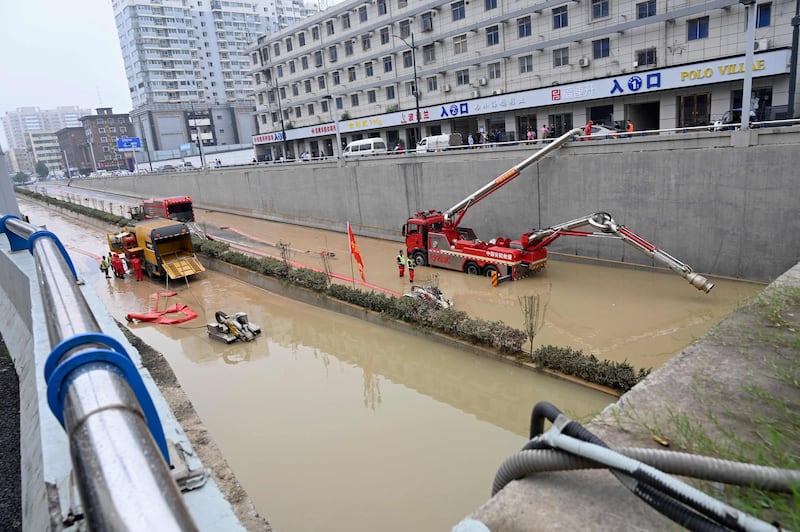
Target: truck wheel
[
  {"x": 419, "y": 258},
  {"x": 487, "y": 271},
  {"x": 472, "y": 269}
]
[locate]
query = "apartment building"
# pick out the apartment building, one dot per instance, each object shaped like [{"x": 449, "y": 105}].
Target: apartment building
[
  {"x": 102, "y": 130},
  {"x": 44, "y": 148},
  {"x": 401, "y": 70},
  {"x": 187, "y": 67},
  {"x": 17, "y": 124}
]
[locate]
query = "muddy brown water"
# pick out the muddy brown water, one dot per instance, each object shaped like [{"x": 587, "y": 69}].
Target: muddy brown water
[{"x": 331, "y": 423}]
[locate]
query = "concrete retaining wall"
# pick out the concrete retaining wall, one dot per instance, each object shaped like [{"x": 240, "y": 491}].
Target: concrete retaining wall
[{"x": 723, "y": 202}]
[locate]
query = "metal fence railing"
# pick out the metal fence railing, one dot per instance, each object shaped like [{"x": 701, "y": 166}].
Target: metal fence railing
[{"x": 119, "y": 453}]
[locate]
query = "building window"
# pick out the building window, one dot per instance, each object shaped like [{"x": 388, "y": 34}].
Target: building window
[
  {"x": 491, "y": 4},
  {"x": 405, "y": 29},
  {"x": 371, "y": 97},
  {"x": 460, "y": 44},
  {"x": 123, "y": 129},
  {"x": 348, "y": 47},
  {"x": 315, "y": 33},
  {"x": 310, "y": 109},
  {"x": 101, "y": 130},
  {"x": 289, "y": 46},
  {"x": 462, "y": 77},
  {"x": 304, "y": 62},
  {"x": 599, "y": 9},
  {"x": 408, "y": 59},
  {"x": 601, "y": 48},
  {"x": 362, "y": 14},
  {"x": 291, "y": 67},
  {"x": 387, "y": 64},
  {"x": 280, "y": 71},
  {"x": 283, "y": 92},
  {"x": 298, "y": 111},
  {"x": 560, "y": 18},
  {"x": 339, "y": 103},
  {"x": 323, "y": 106},
  {"x": 410, "y": 88},
  {"x": 433, "y": 84},
  {"x": 492, "y": 35},
  {"x": 321, "y": 82},
  {"x": 366, "y": 43},
  {"x": 763, "y": 15},
  {"x": 384, "y": 35},
  {"x": 112, "y": 129},
  {"x": 646, "y": 9},
  {"x": 402, "y": 3},
  {"x": 346, "y": 21},
  {"x": 427, "y": 21},
  {"x": 332, "y": 55},
  {"x": 493, "y": 70},
  {"x": 458, "y": 10},
  {"x": 329, "y": 27},
  {"x": 646, "y": 57},
  {"x": 561, "y": 57},
  {"x": 369, "y": 71},
  {"x": 429, "y": 53},
  {"x": 351, "y": 73},
  {"x": 295, "y": 90},
  {"x": 307, "y": 84},
  {"x": 354, "y": 100},
  {"x": 524, "y": 26},
  {"x": 318, "y": 58},
  {"x": 276, "y": 49},
  {"x": 525, "y": 64},
  {"x": 337, "y": 78},
  {"x": 697, "y": 28},
  {"x": 102, "y": 139},
  {"x": 382, "y": 8},
  {"x": 390, "y": 92}
]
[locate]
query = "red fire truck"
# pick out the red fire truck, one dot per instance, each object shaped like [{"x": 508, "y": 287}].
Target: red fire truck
[
  {"x": 436, "y": 238},
  {"x": 178, "y": 208}
]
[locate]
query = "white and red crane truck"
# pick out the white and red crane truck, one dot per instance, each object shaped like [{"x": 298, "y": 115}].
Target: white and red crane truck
[{"x": 436, "y": 238}]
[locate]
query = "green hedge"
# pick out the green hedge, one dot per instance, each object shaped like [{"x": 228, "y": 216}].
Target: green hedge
[{"x": 424, "y": 314}]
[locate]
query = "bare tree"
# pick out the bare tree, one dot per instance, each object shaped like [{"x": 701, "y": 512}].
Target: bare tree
[{"x": 534, "y": 319}]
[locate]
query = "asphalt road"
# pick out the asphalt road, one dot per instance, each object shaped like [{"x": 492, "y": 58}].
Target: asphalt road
[{"x": 10, "y": 492}]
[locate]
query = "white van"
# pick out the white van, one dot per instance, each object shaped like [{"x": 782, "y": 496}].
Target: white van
[
  {"x": 363, "y": 147},
  {"x": 438, "y": 142}
]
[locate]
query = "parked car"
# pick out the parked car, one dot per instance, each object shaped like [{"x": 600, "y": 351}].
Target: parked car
[
  {"x": 167, "y": 168},
  {"x": 731, "y": 120},
  {"x": 602, "y": 132}
]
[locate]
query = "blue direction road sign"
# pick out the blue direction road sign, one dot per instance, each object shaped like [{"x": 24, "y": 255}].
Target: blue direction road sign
[{"x": 129, "y": 143}]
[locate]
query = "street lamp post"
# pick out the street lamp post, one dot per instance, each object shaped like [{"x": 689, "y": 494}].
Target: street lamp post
[
  {"x": 335, "y": 119},
  {"x": 413, "y": 48},
  {"x": 280, "y": 113}
]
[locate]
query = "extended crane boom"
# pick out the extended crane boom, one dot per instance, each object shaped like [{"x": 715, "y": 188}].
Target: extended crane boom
[{"x": 461, "y": 207}]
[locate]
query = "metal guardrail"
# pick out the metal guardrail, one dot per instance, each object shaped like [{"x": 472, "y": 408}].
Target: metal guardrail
[{"x": 119, "y": 453}]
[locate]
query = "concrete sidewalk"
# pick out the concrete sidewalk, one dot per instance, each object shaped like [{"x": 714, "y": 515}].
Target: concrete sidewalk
[{"x": 707, "y": 390}]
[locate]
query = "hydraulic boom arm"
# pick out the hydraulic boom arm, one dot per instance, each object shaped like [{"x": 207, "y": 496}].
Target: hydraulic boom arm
[
  {"x": 461, "y": 207},
  {"x": 609, "y": 228}
]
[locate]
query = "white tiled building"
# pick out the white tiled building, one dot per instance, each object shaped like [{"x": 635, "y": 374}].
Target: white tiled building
[
  {"x": 187, "y": 66},
  {"x": 510, "y": 65}
]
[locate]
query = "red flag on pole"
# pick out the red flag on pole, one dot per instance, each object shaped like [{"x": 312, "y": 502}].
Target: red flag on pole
[{"x": 355, "y": 252}]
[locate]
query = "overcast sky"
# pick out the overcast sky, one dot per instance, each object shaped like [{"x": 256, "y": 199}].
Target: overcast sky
[{"x": 60, "y": 52}]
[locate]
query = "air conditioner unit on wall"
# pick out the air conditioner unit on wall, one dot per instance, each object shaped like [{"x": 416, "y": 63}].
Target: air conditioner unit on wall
[
  {"x": 446, "y": 87},
  {"x": 497, "y": 91},
  {"x": 760, "y": 45},
  {"x": 584, "y": 62},
  {"x": 476, "y": 94},
  {"x": 482, "y": 81}
]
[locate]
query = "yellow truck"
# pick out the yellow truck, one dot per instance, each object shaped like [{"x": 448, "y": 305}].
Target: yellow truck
[{"x": 164, "y": 247}]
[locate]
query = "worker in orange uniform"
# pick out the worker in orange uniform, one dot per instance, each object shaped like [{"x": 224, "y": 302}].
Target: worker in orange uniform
[
  {"x": 401, "y": 263},
  {"x": 629, "y": 127},
  {"x": 410, "y": 270},
  {"x": 136, "y": 262},
  {"x": 587, "y": 131},
  {"x": 117, "y": 266}
]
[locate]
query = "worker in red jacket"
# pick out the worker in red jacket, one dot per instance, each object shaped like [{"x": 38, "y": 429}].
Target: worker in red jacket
[
  {"x": 117, "y": 266},
  {"x": 136, "y": 263}
]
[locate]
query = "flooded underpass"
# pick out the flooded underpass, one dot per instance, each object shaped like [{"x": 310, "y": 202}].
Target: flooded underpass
[{"x": 333, "y": 423}]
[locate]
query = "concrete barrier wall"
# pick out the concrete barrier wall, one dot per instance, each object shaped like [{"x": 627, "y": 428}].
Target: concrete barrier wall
[{"x": 723, "y": 202}]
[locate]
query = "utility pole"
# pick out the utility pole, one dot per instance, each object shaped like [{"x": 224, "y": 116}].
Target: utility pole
[{"x": 413, "y": 48}]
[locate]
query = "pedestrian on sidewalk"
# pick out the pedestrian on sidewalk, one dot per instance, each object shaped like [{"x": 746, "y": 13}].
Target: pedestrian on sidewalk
[
  {"x": 401, "y": 263},
  {"x": 410, "y": 270},
  {"x": 136, "y": 263}
]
